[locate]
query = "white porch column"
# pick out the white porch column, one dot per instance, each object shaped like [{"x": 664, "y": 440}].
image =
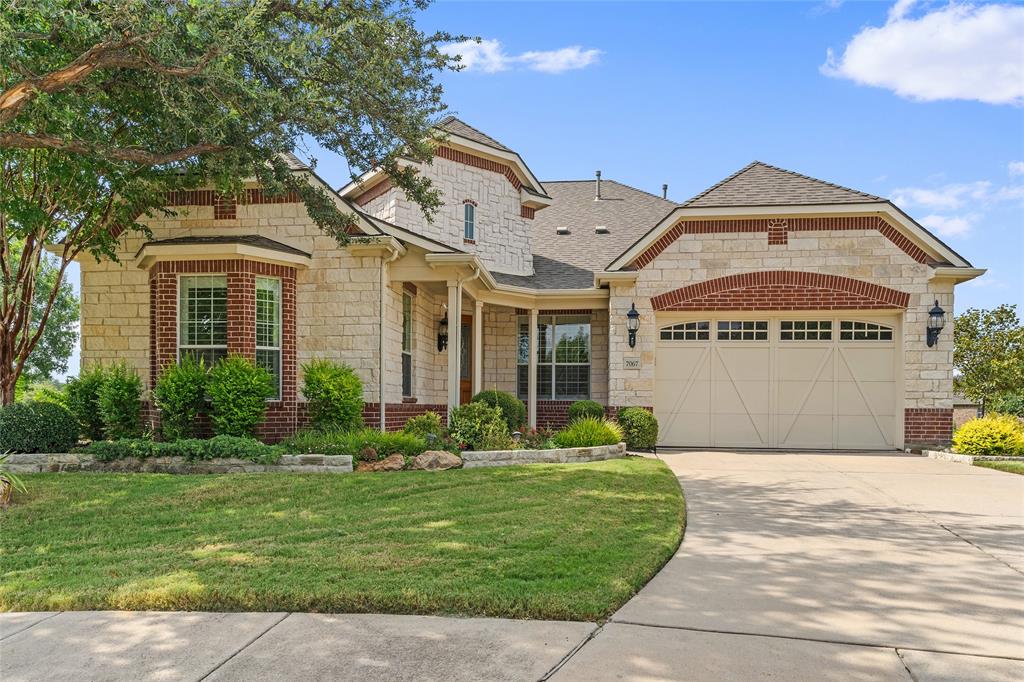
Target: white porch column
[
  {"x": 531, "y": 395},
  {"x": 478, "y": 346},
  {"x": 454, "y": 343}
]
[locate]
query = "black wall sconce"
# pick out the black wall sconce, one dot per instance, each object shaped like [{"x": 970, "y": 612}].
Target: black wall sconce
[
  {"x": 632, "y": 324},
  {"x": 442, "y": 333},
  {"x": 936, "y": 321}
]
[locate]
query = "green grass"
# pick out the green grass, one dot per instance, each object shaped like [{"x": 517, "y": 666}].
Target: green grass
[
  {"x": 540, "y": 541},
  {"x": 1011, "y": 467}
]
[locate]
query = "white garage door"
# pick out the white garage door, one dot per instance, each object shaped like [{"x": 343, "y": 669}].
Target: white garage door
[{"x": 792, "y": 381}]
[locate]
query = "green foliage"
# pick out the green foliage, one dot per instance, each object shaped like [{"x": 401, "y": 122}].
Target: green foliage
[
  {"x": 180, "y": 395},
  {"x": 585, "y": 408},
  {"x": 988, "y": 352},
  {"x": 476, "y": 425},
  {"x": 994, "y": 434},
  {"x": 120, "y": 402},
  {"x": 1007, "y": 403},
  {"x": 364, "y": 445},
  {"x": 83, "y": 399},
  {"x": 639, "y": 428},
  {"x": 57, "y": 342},
  {"x": 425, "y": 425},
  {"x": 12, "y": 478},
  {"x": 538, "y": 439},
  {"x": 37, "y": 427},
  {"x": 334, "y": 395},
  {"x": 589, "y": 432},
  {"x": 238, "y": 391},
  {"x": 43, "y": 391},
  {"x": 191, "y": 449},
  {"x": 513, "y": 411}
]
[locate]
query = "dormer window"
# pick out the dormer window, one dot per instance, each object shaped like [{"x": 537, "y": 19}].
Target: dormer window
[{"x": 469, "y": 221}]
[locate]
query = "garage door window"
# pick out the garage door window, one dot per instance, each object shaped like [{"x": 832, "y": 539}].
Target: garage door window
[
  {"x": 687, "y": 331},
  {"x": 743, "y": 330},
  {"x": 805, "y": 330},
  {"x": 851, "y": 330}
]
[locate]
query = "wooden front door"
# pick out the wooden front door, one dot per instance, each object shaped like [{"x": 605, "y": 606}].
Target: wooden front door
[{"x": 466, "y": 361}]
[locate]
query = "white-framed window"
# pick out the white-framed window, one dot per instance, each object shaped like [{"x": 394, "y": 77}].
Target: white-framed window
[
  {"x": 268, "y": 329},
  {"x": 406, "y": 345},
  {"x": 469, "y": 221},
  {"x": 563, "y": 357},
  {"x": 203, "y": 317},
  {"x": 742, "y": 330},
  {"x": 805, "y": 330},
  {"x": 852, "y": 330},
  {"x": 687, "y": 331}
]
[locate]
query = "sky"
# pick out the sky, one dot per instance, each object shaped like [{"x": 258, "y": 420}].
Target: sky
[{"x": 921, "y": 102}]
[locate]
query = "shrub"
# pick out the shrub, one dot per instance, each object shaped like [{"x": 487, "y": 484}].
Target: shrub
[
  {"x": 357, "y": 444},
  {"x": 589, "y": 432},
  {"x": 35, "y": 426},
  {"x": 994, "y": 434},
  {"x": 180, "y": 394},
  {"x": 476, "y": 425},
  {"x": 538, "y": 439},
  {"x": 426, "y": 426},
  {"x": 238, "y": 391},
  {"x": 585, "y": 408},
  {"x": 639, "y": 427},
  {"x": 226, "y": 447},
  {"x": 83, "y": 401},
  {"x": 513, "y": 411},
  {"x": 192, "y": 449},
  {"x": 1007, "y": 403},
  {"x": 334, "y": 395},
  {"x": 120, "y": 402},
  {"x": 110, "y": 450},
  {"x": 49, "y": 394}
]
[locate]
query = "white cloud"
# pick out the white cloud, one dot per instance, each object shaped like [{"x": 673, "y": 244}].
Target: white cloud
[
  {"x": 949, "y": 202},
  {"x": 1015, "y": 167},
  {"x": 488, "y": 56},
  {"x": 960, "y": 51},
  {"x": 947, "y": 197},
  {"x": 948, "y": 226}
]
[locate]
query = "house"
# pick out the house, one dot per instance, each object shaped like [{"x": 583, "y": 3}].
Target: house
[
  {"x": 964, "y": 410},
  {"x": 773, "y": 310}
]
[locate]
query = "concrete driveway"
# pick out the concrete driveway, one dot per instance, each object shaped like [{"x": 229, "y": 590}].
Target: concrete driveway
[{"x": 828, "y": 566}]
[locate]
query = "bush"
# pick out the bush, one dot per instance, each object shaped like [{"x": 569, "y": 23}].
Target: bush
[
  {"x": 538, "y": 439},
  {"x": 994, "y": 434},
  {"x": 120, "y": 402},
  {"x": 364, "y": 444},
  {"x": 585, "y": 408},
  {"x": 36, "y": 426},
  {"x": 110, "y": 450},
  {"x": 83, "y": 401},
  {"x": 1007, "y": 403},
  {"x": 589, "y": 432},
  {"x": 639, "y": 427},
  {"x": 334, "y": 395},
  {"x": 477, "y": 425},
  {"x": 180, "y": 395},
  {"x": 192, "y": 449},
  {"x": 426, "y": 426},
  {"x": 238, "y": 391},
  {"x": 513, "y": 411}
]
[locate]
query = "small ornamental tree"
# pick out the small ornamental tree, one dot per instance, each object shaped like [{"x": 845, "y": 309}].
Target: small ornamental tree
[{"x": 988, "y": 353}]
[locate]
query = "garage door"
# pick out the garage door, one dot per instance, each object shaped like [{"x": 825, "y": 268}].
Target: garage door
[{"x": 812, "y": 382}]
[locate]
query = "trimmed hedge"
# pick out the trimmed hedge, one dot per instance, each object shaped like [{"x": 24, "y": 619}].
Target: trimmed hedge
[
  {"x": 192, "y": 449},
  {"x": 37, "y": 426},
  {"x": 585, "y": 408},
  {"x": 120, "y": 402},
  {"x": 334, "y": 395},
  {"x": 238, "y": 391},
  {"x": 180, "y": 396},
  {"x": 639, "y": 428},
  {"x": 994, "y": 434},
  {"x": 83, "y": 401},
  {"x": 513, "y": 411},
  {"x": 479, "y": 426}
]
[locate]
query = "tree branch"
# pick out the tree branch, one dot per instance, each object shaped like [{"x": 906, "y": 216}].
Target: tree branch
[{"x": 130, "y": 154}]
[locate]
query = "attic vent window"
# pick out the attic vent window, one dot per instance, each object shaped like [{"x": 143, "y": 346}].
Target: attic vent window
[
  {"x": 562, "y": 230},
  {"x": 601, "y": 229}
]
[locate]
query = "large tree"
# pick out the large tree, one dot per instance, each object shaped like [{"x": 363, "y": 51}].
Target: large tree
[
  {"x": 105, "y": 107},
  {"x": 988, "y": 352}
]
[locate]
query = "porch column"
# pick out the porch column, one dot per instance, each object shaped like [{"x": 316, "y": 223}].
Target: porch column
[
  {"x": 531, "y": 394},
  {"x": 478, "y": 346},
  {"x": 454, "y": 343}
]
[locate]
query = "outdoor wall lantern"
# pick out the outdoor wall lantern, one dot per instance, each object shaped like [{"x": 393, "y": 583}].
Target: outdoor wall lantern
[
  {"x": 936, "y": 321},
  {"x": 632, "y": 324},
  {"x": 442, "y": 334}
]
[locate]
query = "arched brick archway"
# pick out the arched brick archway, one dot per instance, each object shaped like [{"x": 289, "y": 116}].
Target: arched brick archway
[{"x": 781, "y": 290}]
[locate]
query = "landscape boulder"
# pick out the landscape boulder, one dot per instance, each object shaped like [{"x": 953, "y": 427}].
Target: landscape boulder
[
  {"x": 393, "y": 462},
  {"x": 436, "y": 460}
]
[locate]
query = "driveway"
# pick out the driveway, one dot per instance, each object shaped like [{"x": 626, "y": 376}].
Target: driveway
[{"x": 828, "y": 566}]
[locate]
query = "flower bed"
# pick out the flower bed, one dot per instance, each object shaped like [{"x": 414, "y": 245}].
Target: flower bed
[{"x": 501, "y": 458}]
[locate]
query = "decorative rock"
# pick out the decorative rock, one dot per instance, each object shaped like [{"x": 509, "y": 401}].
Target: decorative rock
[
  {"x": 436, "y": 460},
  {"x": 393, "y": 462},
  {"x": 367, "y": 455}
]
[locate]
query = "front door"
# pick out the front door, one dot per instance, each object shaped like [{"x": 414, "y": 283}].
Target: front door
[{"x": 466, "y": 361}]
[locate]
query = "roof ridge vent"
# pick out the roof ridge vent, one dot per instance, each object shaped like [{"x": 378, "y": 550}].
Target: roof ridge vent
[
  {"x": 562, "y": 230},
  {"x": 601, "y": 229}
]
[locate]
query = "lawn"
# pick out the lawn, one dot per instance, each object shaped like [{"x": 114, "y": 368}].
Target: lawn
[
  {"x": 542, "y": 541},
  {"x": 1005, "y": 465}
]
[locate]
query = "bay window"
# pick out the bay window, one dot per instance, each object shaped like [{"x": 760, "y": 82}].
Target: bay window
[
  {"x": 563, "y": 357},
  {"x": 203, "y": 317},
  {"x": 268, "y": 329}
]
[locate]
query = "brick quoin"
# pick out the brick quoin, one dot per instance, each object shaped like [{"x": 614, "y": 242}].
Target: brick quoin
[
  {"x": 781, "y": 290},
  {"x": 927, "y": 425}
]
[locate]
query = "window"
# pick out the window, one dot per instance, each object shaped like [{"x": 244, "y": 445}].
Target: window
[
  {"x": 268, "y": 329},
  {"x": 203, "y": 317},
  {"x": 687, "y": 331},
  {"x": 563, "y": 357},
  {"x": 805, "y": 330},
  {"x": 743, "y": 330},
  {"x": 406, "y": 345},
  {"x": 850, "y": 330},
  {"x": 469, "y": 221}
]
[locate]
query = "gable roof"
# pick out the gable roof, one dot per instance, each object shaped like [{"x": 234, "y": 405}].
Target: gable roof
[
  {"x": 760, "y": 184},
  {"x": 456, "y": 126}
]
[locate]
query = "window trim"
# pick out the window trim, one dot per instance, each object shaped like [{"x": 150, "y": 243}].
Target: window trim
[
  {"x": 469, "y": 221},
  {"x": 177, "y": 322},
  {"x": 554, "y": 364},
  {"x": 406, "y": 296},
  {"x": 754, "y": 330},
  {"x": 280, "y": 331}
]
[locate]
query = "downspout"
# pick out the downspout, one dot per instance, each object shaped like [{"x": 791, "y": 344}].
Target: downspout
[{"x": 382, "y": 363}]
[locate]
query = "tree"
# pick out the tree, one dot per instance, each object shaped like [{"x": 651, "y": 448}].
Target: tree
[
  {"x": 106, "y": 107},
  {"x": 988, "y": 352},
  {"x": 51, "y": 353}
]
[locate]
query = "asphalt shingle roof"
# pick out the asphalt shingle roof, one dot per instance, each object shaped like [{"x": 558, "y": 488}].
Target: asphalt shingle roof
[
  {"x": 459, "y": 127},
  {"x": 248, "y": 239},
  {"x": 760, "y": 184}
]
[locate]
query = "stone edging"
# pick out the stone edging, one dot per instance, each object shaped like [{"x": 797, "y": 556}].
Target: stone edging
[
  {"x": 304, "y": 464},
  {"x": 968, "y": 459},
  {"x": 500, "y": 458}
]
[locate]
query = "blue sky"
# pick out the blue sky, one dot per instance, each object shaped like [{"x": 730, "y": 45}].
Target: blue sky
[{"x": 687, "y": 93}]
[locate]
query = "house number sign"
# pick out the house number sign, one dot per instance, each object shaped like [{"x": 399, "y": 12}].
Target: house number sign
[{"x": 632, "y": 363}]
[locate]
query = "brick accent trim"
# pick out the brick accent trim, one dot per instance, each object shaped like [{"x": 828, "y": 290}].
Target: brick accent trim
[
  {"x": 557, "y": 311},
  {"x": 527, "y": 212},
  {"x": 778, "y": 230},
  {"x": 377, "y": 190},
  {"x": 481, "y": 163},
  {"x": 781, "y": 290},
  {"x": 927, "y": 425},
  {"x": 209, "y": 197}
]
